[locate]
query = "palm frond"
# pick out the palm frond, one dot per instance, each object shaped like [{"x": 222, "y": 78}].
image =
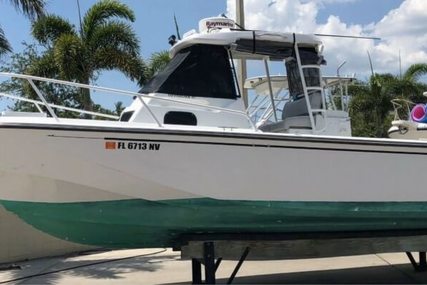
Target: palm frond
[
  {"x": 111, "y": 58},
  {"x": 114, "y": 35},
  {"x": 30, "y": 8},
  {"x": 44, "y": 66},
  {"x": 4, "y": 44},
  {"x": 415, "y": 71},
  {"x": 118, "y": 108},
  {"x": 69, "y": 54},
  {"x": 104, "y": 11},
  {"x": 158, "y": 62},
  {"x": 48, "y": 29}
]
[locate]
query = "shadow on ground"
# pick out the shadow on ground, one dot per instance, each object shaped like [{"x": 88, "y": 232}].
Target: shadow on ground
[
  {"x": 398, "y": 274},
  {"x": 97, "y": 268},
  {"x": 166, "y": 266}
]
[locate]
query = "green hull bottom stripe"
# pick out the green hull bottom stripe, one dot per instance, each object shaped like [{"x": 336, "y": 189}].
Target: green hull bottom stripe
[{"x": 142, "y": 223}]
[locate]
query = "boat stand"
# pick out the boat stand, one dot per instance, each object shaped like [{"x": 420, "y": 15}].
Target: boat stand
[
  {"x": 211, "y": 265},
  {"x": 210, "y": 250},
  {"x": 420, "y": 266}
]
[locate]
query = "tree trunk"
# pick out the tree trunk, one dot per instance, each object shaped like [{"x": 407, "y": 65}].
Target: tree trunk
[{"x": 85, "y": 99}]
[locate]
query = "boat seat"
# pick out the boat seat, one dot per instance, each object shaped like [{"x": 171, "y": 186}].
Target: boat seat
[
  {"x": 299, "y": 107},
  {"x": 299, "y": 122},
  {"x": 295, "y": 115}
]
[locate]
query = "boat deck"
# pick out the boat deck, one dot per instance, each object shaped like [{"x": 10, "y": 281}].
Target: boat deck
[{"x": 163, "y": 266}]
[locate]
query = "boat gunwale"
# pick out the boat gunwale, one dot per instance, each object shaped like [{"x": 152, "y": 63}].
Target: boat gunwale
[{"x": 274, "y": 137}]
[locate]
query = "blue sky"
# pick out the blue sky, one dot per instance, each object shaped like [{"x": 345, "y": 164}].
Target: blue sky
[
  {"x": 154, "y": 21},
  {"x": 154, "y": 18}
]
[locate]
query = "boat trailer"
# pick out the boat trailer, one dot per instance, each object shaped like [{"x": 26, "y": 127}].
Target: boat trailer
[{"x": 210, "y": 249}]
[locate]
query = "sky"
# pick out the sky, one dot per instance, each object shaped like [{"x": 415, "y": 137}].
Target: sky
[{"x": 401, "y": 25}]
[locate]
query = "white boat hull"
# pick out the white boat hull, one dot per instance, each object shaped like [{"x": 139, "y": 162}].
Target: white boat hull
[
  {"x": 119, "y": 187},
  {"x": 228, "y": 166}
]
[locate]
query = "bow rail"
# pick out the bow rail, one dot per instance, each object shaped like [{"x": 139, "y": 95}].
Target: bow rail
[{"x": 50, "y": 107}]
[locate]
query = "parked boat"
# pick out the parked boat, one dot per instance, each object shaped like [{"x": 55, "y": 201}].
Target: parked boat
[
  {"x": 410, "y": 120},
  {"x": 185, "y": 158}
]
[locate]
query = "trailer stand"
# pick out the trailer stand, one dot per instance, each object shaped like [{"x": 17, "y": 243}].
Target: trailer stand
[
  {"x": 209, "y": 262},
  {"x": 211, "y": 265},
  {"x": 239, "y": 264},
  {"x": 421, "y": 266},
  {"x": 211, "y": 249}
]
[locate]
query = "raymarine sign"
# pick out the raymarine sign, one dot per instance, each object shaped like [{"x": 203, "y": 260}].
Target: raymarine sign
[{"x": 210, "y": 24}]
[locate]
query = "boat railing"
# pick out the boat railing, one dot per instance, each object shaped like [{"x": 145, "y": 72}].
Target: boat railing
[
  {"x": 262, "y": 110},
  {"x": 38, "y": 105},
  {"x": 139, "y": 96},
  {"x": 402, "y": 109}
]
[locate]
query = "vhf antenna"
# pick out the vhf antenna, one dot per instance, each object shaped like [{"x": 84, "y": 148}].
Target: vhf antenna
[
  {"x": 80, "y": 17},
  {"x": 350, "y": 37},
  {"x": 225, "y": 16}
]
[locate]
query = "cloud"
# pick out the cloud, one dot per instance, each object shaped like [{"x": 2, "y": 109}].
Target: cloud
[
  {"x": 323, "y": 3},
  {"x": 278, "y": 15},
  {"x": 403, "y": 29}
]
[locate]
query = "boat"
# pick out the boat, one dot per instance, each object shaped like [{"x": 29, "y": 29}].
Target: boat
[
  {"x": 185, "y": 158},
  {"x": 410, "y": 121}
]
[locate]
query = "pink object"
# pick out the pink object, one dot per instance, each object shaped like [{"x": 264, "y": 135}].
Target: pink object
[{"x": 418, "y": 113}]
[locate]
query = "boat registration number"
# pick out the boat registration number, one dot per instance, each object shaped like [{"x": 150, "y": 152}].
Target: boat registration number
[{"x": 113, "y": 145}]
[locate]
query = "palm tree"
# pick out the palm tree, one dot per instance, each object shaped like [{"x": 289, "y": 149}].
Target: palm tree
[
  {"x": 408, "y": 86},
  {"x": 370, "y": 106},
  {"x": 56, "y": 94},
  {"x": 30, "y": 8},
  {"x": 104, "y": 42},
  {"x": 157, "y": 63},
  {"x": 118, "y": 108}
]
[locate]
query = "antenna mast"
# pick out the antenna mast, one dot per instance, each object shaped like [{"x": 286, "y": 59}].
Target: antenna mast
[
  {"x": 241, "y": 64},
  {"x": 176, "y": 27},
  {"x": 370, "y": 63},
  {"x": 80, "y": 18}
]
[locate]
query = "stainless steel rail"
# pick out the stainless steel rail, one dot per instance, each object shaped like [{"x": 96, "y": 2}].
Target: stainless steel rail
[{"x": 140, "y": 96}]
